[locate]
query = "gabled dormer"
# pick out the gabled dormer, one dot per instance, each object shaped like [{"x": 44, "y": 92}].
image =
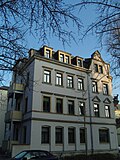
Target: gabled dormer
[
  {"x": 98, "y": 64},
  {"x": 78, "y": 61},
  {"x": 63, "y": 57},
  {"x": 46, "y": 51}
]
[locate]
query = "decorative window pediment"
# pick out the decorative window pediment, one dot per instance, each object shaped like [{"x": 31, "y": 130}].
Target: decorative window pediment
[
  {"x": 96, "y": 99},
  {"x": 106, "y": 100}
]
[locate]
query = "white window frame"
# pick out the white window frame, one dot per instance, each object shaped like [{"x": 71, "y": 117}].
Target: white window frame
[
  {"x": 70, "y": 81},
  {"x": 59, "y": 79},
  {"x": 47, "y": 76},
  {"x": 80, "y": 84}
]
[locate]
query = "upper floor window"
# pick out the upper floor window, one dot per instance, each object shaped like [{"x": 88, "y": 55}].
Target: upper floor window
[
  {"x": 26, "y": 104},
  {"x": 59, "y": 79},
  {"x": 107, "y": 111},
  {"x": 96, "y": 67},
  {"x": 46, "y": 104},
  {"x": 105, "y": 89},
  {"x": 80, "y": 84},
  {"x": 71, "y": 107},
  {"x": 47, "y": 53},
  {"x": 96, "y": 110},
  {"x": 59, "y": 105},
  {"x": 104, "y": 135},
  {"x": 47, "y": 76},
  {"x": 24, "y": 134},
  {"x": 61, "y": 57},
  {"x": 94, "y": 86},
  {"x": 67, "y": 59},
  {"x": 82, "y": 135},
  {"x": 45, "y": 136},
  {"x": 70, "y": 81},
  {"x": 82, "y": 108},
  {"x": 100, "y": 69},
  {"x": 79, "y": 63},
  {"x": 71, "y": 135},
  {"x": 59, "y": 135},
  {"x": 28, "y": 79}
]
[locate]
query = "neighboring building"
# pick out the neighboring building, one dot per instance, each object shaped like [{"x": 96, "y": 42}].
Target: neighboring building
[
  {"x": 3, "y": 109},
  {"x": 117, "y": 116},
  {"x": 60, "y": 103}
]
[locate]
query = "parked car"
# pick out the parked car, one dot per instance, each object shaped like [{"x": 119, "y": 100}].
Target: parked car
[{"x": 34, "y": 155}]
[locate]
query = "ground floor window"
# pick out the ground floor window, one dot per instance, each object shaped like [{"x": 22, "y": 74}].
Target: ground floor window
[
  {"x": 45, "y": 135},
  {"x": 82, "y": 135},
  {"x": 59, "y": 135},
  {"x": 104, "y": 135},
  {"x": 71, "y": 135}
]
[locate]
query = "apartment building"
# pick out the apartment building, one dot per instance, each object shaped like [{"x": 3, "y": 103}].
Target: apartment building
[
  {"x": 60, "y": 103},
  {"x": 3, "y": 108}
]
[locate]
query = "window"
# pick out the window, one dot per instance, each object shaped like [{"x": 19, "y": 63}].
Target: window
[
  {"x": 94, "y": 87},
  {"x": 104, "y": 135},
  {"x": 71, "y": 107},
  {"x": 70, "y": 81},
  {"x": 100, "y": 69},
  {"x": 96, "y": 67},
  {"x": 47, "y": 53},
  {"x": 47, "y": 76},
  {"x": 71, "y": 135},
  {"x": 96, "y": 110},
  {"x": 82, "y": 108},
  {"x": 61, "y": 57},
  {"x": 82, "y": 135},
  {"x": 59, "y": 105},
  {"x": 26, "y": 104},
  {"x": 67, "y": 59},
  {"x": 24, "y": 134},
  {"x": 107, "y": 111},
  {"x": 59, "y": 135},
  {"x": 105, "y": 89},
  {"x": 45, "y": 138},
  {"x": 46, "y": 104},
  {"x": 59, "y": 79},
  {"x": 28, "y": 79},
  {"x": 79, "y": 63},
  {"x": 16, "y": 133},
  {"x": 80, "y": 84}
]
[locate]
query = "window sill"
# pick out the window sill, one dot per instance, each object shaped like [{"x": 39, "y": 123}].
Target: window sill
[
  {"x": 47, "y": 83},
  {"x": 70, "y": 88},
  {"x": 59, "y": 85}
]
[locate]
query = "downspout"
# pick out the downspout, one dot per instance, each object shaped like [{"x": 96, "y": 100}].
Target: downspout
[{"x": 90, "y": 113}]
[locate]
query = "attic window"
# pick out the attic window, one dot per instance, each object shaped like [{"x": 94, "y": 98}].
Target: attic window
[
  {"x": 67, "y": 59},
  {"x": 100, "y": 69},
  {"x": 96, "y": 67},
  {"x": 79, "y": 63},
  {"x": 47, "y": 53},
  {"x": 61, "y": 57}
]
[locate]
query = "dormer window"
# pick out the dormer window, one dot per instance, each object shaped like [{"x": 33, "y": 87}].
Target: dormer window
[
  {"x": 61, "y": 58},
  {"x": 67, "y": 59},
  {"x": 96, "y": 67},
  {"x": 100, "y": 69},
  {"x": 47, "y": 53},
  {"x": 79, "y": 63}
]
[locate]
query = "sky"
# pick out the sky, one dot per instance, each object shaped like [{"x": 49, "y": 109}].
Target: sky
[{"x": 82, "y": 48}]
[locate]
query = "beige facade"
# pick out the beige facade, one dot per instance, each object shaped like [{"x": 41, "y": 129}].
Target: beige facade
[{"x": 61, "y": 103}]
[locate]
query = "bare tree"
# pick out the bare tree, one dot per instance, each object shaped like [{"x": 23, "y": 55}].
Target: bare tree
[
  {"x": 106, "y": 26},
  {"x": 38, "y": 17},
  {"x": 52, "y": 17}
]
